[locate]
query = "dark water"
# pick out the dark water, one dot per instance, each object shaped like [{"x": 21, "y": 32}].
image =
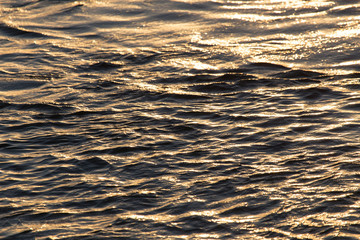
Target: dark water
[{"x": 179, "y": 119}]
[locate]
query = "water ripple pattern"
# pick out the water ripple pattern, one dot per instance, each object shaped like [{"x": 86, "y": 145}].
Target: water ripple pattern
[{"x": 179, "y": 119}]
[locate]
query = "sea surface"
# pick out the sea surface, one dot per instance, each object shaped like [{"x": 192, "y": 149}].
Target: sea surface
[{"x": 179, "y": 119}]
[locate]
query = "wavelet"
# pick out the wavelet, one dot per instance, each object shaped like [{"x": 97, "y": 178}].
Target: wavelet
[{"x": 14, "y": 31}]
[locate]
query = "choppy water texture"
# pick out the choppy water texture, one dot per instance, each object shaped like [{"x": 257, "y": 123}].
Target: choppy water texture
[{"x": 179, "y": 119}]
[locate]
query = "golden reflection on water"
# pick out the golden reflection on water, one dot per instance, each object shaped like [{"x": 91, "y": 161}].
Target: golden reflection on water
[
  {"x": 273, "y": 47},
  {"x": 290, "y": 46},
  {"x": 193, "y": 64},
  {"x": 262, "y": 18}
]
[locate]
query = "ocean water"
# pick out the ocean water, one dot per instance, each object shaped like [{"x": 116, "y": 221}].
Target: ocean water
[{"x": 179, "y": 119}]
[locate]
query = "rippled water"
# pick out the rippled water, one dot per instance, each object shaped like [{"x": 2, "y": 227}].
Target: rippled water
[{"x": 179, "y": 119}]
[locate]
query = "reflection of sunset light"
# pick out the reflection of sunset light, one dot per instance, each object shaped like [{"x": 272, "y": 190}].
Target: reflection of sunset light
[
  {"x": 349, "y": 63},
  {"x": 273, "y": 4},
  {"x": 211, "y": 117},
  {"x": 257, "y": 17},
  {"x": 345, "y": 33},
  {"x": 192, "y": 64}
]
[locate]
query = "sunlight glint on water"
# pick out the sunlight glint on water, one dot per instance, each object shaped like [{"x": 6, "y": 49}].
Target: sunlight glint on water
[{"x": 179, "y": 119}]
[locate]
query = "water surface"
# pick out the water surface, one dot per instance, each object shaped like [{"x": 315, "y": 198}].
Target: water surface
[{"x": 179, "y": 119}]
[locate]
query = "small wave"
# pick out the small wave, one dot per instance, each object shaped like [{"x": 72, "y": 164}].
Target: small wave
[
  {"x": 140, "y": 59},
  {"x": 118, "y": 150},
  {"x": 38, "y": 125},
  {"x": 69, "y": 10},
  {"x": 252, "y": 209},
  {"x": 314, "y": 93},
  {"x": 100, "y": 66},
  {"x": 19, "y": 32},
  {"x": 40, "y": 107},
  {"x": 174, "y": 16},
  {"x": 352, "y": 106},
  {"x": 20, "y": 233},
  {"x": 345, "y": 11},
  {"x": 266, "y": 66},
  {"x": 299, "y": 74},
  {"x": 20, "y": 85},
  {"x": 91, "y": 164}
]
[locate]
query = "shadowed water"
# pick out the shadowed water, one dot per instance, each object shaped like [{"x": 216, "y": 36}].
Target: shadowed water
[{"x": 179, "y": 119}]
